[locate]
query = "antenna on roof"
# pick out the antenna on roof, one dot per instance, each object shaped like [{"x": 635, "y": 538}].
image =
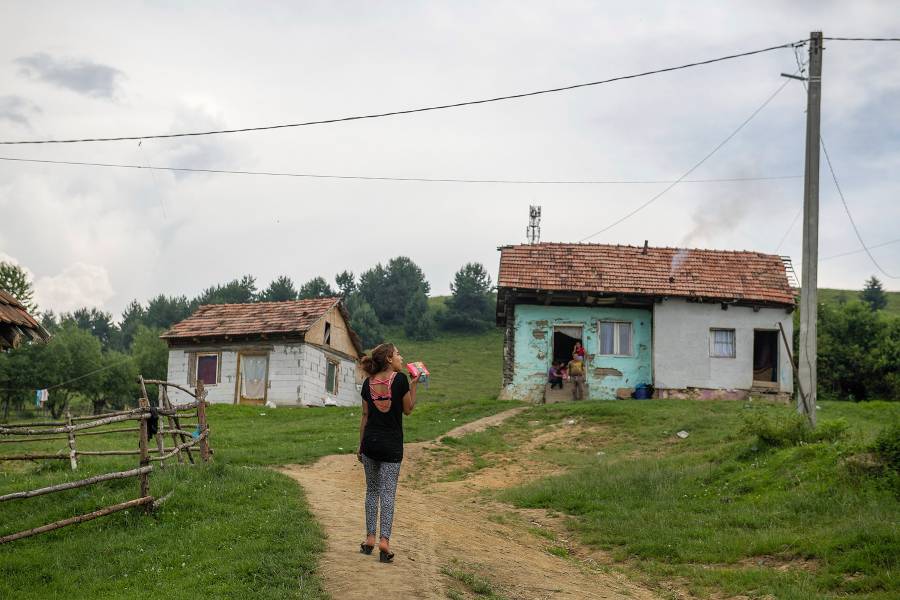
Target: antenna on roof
[{"x": 533, "y": 231}]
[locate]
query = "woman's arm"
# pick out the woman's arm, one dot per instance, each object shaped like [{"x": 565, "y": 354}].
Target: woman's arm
[
  {"x": 409, "y": 399},
  {"x": 362, "y": 425}
]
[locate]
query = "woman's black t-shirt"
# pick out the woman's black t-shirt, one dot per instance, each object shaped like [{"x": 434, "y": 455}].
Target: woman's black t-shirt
[{"x": 383, "y": 435}]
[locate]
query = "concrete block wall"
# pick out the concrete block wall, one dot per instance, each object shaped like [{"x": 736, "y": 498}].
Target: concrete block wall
[{"x": 312, "y": 379}]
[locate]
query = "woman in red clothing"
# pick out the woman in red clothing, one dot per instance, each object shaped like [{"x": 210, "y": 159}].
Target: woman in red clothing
[
  {"x": 387, "y": 395},
  {"x": 578, "y": 352}
]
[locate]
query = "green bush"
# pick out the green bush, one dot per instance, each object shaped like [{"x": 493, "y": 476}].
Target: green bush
[
  {"x": 793, "y": 431},
  {"x": 887, "y": 446}
]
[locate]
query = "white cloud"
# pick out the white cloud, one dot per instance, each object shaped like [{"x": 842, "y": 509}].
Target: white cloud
[
  {"x": 78, "y": 285},
  {"x": 177, "y": 234}
]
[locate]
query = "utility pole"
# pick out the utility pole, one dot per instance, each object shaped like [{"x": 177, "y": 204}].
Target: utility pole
[{"x": 806, "y": 397}]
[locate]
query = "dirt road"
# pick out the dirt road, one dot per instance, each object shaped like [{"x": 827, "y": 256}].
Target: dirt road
[{"x": 444, "y": 523}]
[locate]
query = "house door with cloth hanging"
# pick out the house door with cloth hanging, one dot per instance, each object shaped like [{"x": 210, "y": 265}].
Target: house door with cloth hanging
[
  {"x": 252, "y": 379},
  {"x": 564, "y": 338}
]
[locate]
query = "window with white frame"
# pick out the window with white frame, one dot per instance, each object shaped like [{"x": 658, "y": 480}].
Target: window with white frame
[
  {"x": 331, "y": 376},
  {"x": 721, "y": 343},
  {"x": 615, "y": 338}
]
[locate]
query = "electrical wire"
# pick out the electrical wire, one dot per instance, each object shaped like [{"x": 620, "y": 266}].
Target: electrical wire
[
  {"x": 412, "y": 110},
  {"x": 789, "y": 229},
  {"x": 888, "y": 243},
  {"x": 861, "y": 39},
  {"x": 692, "y": 169},
  {"x": 850, "y": 216},
  {"x": 386, "y": 178}
]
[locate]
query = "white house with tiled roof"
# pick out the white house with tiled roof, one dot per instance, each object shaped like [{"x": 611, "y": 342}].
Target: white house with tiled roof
[
  {"x": 688, "y": 322},
  {"x": 294, "y": 353}
]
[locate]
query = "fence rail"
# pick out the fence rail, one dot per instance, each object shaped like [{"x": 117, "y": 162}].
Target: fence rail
[{"x": 73, "y": 427}]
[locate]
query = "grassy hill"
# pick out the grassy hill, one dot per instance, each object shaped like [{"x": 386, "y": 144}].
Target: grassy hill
[{"x": 836, "y": 296}]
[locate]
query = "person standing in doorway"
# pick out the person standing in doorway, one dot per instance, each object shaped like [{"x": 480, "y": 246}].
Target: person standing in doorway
[
  {"x": 387, "y": 395},
  {"x": 576, "y": 374},
  {"x": 578, "y": 351}
]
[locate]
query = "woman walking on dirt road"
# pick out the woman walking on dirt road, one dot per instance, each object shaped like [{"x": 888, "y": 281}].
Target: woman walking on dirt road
[{"x": 387, "y": 396}]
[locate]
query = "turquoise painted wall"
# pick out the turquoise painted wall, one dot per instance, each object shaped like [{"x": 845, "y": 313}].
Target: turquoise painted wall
[{"x": 534, "y": 353}]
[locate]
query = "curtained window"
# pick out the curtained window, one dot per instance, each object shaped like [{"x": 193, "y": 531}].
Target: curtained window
[
  {"x": 253, "y": 376},
  {"x": 721, "y": 343},
  {"x": 615, "y": 338}
]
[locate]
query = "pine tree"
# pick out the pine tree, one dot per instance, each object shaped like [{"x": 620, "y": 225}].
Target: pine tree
[
  {"x": 279, "y": 290},
  {"x": 873, "y": 294},
  {"x": 316, "y": 287},
  {"x": 419, "y": 322},
  {"x": 470, "y": 308}
]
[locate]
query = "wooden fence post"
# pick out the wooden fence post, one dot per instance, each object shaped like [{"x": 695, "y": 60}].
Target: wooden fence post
[
  {"x": 145, "y": 403},
  {"x": 201, "y": 421},
  {"x": 174, "y": 423},
  {"x": 73, "y": 457},
  {"x": 145, "y": 459}
]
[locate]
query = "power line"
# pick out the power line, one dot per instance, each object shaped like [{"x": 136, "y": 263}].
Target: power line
[
  {"x": 789, "y": 229},
  {"x": 692, "y": 169},
  {"x": 412, "y": 110},
  {"x": 850, "y": 216},
  {"x": 861, "y": 39},
  {"x": 386, "y": 178},
  {"x": 888, "y": 243}
]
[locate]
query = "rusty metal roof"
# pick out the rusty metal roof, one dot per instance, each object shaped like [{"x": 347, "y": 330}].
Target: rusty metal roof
[{"x": 636, "y": 270}]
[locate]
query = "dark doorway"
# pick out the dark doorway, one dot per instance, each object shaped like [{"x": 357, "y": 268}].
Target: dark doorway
[
  {"x": 765, "y": 356},
  {"x": 564, "y": 339}
]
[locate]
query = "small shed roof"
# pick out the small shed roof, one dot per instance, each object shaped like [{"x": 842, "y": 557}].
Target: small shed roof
[
  {"x": 291, "y": 317},
  {"x": 646, "y": 271},
  {"x": 16, "y": 324}
]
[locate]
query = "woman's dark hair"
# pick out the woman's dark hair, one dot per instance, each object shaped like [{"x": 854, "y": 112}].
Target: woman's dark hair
[{"x": 378, "y": 360}]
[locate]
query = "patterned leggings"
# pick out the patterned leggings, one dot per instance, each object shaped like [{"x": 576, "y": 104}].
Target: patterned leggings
[{"x": 381, "y": 484}]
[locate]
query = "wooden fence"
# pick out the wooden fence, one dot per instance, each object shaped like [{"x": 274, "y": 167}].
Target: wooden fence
[{"x": 73, "y": 427}]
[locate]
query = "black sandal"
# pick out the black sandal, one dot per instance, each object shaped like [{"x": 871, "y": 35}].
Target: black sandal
[
  {"x": 385, "y": 557},
  {"x": 365, "y": 548}
]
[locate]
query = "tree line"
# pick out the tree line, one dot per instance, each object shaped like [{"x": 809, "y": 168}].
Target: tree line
[{"x": 90, "y": 340}]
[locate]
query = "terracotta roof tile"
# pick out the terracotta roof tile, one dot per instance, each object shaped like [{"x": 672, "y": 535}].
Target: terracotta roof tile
[
  {"x": 715, "y": 274},
  {"x": 216, "y": 320}
]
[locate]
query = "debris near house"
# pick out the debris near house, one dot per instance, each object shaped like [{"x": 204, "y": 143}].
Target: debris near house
[{"x": 683, "y": 434}]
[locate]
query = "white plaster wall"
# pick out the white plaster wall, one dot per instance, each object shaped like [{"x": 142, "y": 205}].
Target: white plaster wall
[
  {"x": 681, "y": 345},
  {"x": 312, "y": 380},
  {"x": 296, "y": 377}
]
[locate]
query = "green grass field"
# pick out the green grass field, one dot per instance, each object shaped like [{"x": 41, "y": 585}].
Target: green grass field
[
  {"x": 718, "y": 511},
  {"x": 233, "y": 528}
]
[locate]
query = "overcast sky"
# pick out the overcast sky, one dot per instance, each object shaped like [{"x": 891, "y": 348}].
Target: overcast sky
[{"x": 101, "y": 237}]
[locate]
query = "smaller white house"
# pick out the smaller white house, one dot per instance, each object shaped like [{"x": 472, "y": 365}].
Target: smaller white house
[{"x": 294, "y": 353}]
